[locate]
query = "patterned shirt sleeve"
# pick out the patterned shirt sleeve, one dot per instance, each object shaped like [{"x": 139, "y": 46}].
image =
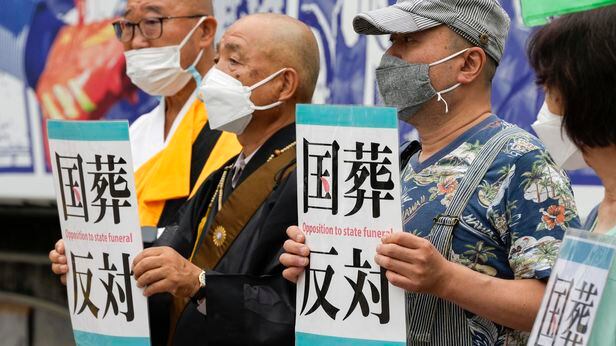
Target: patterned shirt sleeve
[{"x": 540, "y": 208}]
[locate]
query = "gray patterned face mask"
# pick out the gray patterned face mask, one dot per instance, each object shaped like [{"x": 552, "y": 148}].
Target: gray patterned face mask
[{"x": 407, "y": 86}]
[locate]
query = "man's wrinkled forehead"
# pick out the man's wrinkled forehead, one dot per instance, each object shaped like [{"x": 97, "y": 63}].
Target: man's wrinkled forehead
[
  {"x": 159, "y": 7},
  {"x": 232, "y": 47},
  {"x": 234, "y": 42}
]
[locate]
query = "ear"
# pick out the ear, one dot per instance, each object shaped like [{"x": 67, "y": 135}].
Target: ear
[
  {"x": 289, "y": 85},
  {"x": 554, "y": 101},
  {"x": 209, "y": 26},
  {"x": 474, "y": 62}
]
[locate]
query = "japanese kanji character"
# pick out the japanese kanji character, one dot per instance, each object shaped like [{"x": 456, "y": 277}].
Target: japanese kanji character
[
  {"x": 378, "y": 295},
  {"x": 374, "y": 168},
  {"x": 321, "y": 290},
  {"x": 124, "y": 290},
  {"x": 72, "y": 186},
  {"x": 321, "y": 176},
  {"x": 110, "y": 185},
  {"x": 86, "y": 289}
]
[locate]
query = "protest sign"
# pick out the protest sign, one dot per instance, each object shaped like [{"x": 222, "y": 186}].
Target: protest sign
[
  {"x": 574, "y": 291},
  {"x": 97, "y": 205},
  {"x": 348, "y": 199}
]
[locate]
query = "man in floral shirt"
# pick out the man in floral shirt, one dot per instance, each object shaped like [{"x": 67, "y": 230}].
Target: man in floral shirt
[
  {"x": 476, "y": 269},
  {"x": 514, "y": 222}
]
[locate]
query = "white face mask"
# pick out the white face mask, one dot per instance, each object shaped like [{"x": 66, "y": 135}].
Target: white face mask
[
  {"x": 227, "y": 100},
  {"x": 549, "y": 129},
  {"x": 158, "y": 71}
]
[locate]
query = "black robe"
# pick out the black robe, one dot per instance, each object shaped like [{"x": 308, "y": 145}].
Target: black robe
[
  {"x": 248, "y": 301},
  {"x": 159, "y": 304}
]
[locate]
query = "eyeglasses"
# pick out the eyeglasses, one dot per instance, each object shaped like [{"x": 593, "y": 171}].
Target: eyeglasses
[{"x": 151, "y": 28}]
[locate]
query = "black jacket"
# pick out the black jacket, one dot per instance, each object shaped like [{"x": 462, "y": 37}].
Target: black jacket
[{"x": 248, "y": 301}]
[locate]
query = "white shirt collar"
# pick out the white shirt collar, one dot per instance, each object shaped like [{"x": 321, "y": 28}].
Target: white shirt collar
[
  {"x": 147, "y": 132},
  {"x": 242, "y": 157},
  {"x": 239, "y": 165}
]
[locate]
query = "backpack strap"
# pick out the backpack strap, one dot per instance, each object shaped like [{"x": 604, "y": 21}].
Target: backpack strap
[{"x": 407, "y": 150}]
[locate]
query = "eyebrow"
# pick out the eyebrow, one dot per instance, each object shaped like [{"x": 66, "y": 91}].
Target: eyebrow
[{"x": 236, "y": 48}]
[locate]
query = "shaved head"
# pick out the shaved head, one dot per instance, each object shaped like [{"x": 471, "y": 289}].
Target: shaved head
[
  {"x": 170, "y": 7},
  {"x": 196, "y": 6},
  {"x": 287, "y": 42},
  {"x": 199, "y": 6}
]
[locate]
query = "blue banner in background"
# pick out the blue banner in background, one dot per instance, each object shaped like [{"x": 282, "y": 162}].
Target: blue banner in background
[
  {"x": 349, "y": 60},
  {"x": 29, "y": 31}
]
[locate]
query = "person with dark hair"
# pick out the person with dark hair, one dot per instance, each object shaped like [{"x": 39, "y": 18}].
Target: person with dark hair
[{"x": 575, "y": 61}]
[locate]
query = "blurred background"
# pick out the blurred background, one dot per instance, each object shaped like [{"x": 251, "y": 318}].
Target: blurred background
[{"x": 59, "y": 59}]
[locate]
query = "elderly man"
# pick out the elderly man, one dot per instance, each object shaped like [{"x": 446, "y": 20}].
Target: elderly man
[
  {"x": 168, "y": 46},
  {"x": 233, "y": 229},
  {"x": 481, "y": 232}
]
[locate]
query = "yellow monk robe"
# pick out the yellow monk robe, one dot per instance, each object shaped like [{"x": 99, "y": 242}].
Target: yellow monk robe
[{"x": 166, "y": 176}]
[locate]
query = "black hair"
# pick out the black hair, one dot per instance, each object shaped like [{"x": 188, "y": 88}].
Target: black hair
[{"x": 576, "y": 56}]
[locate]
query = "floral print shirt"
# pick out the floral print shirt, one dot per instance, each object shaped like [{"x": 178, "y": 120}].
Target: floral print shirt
[{"x": 513, "y": 224}]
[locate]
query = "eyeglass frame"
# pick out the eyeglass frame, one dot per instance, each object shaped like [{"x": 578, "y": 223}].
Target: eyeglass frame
[{"x": 118, "y": 31}]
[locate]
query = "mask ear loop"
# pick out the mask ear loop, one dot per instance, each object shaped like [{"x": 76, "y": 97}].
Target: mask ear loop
[
  {"x": 448, "y": 57},
  {"x": 263, "y": 108},
  {"x": 267, "y": 80},
  {"x": 192, "y": 31},
  {"x": 441, "y": 93},
  {"x": 192, "y": 68}
]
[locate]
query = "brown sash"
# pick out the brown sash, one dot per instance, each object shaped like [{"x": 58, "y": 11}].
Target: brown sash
[
  {"x": 239, "y": 209},
  {"x": 231, "y": 219}
]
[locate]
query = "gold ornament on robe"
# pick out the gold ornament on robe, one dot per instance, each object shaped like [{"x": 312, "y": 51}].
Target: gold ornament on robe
[{"x": 219, "y": 236}]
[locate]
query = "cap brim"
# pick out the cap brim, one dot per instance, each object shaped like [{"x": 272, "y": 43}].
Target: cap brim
[{"x": 390, "y": 20}]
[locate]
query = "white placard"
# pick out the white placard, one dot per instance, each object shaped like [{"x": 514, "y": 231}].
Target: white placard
[
  {"x": 348, "y": 198},
  {"x": 97, "y": 204},
  {"x": 574, "y": 291}
]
